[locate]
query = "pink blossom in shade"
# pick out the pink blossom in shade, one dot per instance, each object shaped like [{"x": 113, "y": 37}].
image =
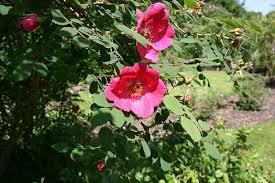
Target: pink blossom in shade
[
  {"x": 101, "y": 165},
  {"x": 29, "y": 23},
  {"x": 154, "y": 25},
  {"x": 137, "y": 89}
]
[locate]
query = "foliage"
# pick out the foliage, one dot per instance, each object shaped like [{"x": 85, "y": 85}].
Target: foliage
[
  {"x": 206, "y": 106},
  {"x": 254, "y": 98},
  {"x": 238, "y": 165}
]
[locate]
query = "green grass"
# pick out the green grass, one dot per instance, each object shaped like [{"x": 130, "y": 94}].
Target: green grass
[
  {"x": 220, "y": 86},
  {"x": 263, "y": 140}
]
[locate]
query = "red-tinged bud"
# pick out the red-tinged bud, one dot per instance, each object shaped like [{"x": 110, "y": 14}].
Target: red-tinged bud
[
  {"x": 236, "y": 43},
  {"x": 75, "y": 108},
  {"x": 29, "y": 23},
  {"x": 101, "y": 165},
  {"x": 187, "y": 99},
  {"x": 238, "y": 30},
  {"x": 197, "y": 10}
]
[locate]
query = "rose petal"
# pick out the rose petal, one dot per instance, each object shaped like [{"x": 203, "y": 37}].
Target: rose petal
[
  {"x": 165, "y": 41},
  {"x": 142, "y": 107},
  {"x": 157, "y": 9},
  {"x": 140, "y": 16},
  {"x": 156, "y": 97}
]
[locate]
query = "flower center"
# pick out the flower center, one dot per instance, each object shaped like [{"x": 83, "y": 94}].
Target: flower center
[
  {"x": 135, "y": 89},
  {"x": 146, "y": 32}
]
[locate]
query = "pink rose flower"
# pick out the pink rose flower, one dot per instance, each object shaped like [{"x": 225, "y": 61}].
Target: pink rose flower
[
  {"x": 29, "y": 23},
  {"x": 154, "y": 26},
  {"x": 101, "y": 165},
  {"x": 137, "y": 89}
]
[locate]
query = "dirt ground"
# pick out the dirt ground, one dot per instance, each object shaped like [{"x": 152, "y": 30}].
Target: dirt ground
[{"x": 237, "y": 119}]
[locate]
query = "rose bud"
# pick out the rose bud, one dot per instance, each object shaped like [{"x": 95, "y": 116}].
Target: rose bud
[
  {"x": 29, "y": 23},
  {"x": 75, "y": 108},
  {"x": 101, "y": 165},
  {"x": 186, "y": 99},
  {"x": 197, "y": 10},
  {"x": 236, "y": 43}
]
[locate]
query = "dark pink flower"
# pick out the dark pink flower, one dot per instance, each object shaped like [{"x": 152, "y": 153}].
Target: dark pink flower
[
  {"x": 154, "y": 26},
  {"x": 29, "y": 23},
  {"x": 101, "y": 165},
  {"x": 137, "y": 89}
]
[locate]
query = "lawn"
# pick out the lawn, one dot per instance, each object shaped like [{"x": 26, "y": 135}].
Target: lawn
[
  {"x": 262, "y": 138},
  {"x": 220, "y": 84}
]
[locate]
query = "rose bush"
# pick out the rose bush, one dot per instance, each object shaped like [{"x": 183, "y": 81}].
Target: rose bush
[{"x": 94, "y": 43}]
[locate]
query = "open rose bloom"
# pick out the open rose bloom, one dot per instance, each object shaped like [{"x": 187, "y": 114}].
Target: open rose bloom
[
  {"x": 154, "y": 26},
  {"x": 137, "y": 89}
]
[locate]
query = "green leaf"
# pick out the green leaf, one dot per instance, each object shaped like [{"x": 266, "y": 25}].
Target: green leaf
[
  {"x": 190, "y": 4},
  {"x": 98, "y": 40},
  {"x": 101, "y": 100},
  {"x": 61, "y": 147},
  {"x": 178, "y": 4},
  {"x": 142, "y": 40},
  {"x": 191, "y": 128},
  {"x": 256, "y": 45},
  {"x": 256, "y": 27},
  {"x": 4, "y": 10},
  {"x": 188, "y": 40},
  {"x": 41, "y": 69},
  {"x": 146, "y": 148},
  {"x": 171, "y": 71},
  {"x": 68, "y": 32},
  {"x": 86, "y": 30},
  {"x": 233, "y": 23},
  {"x": 218, "y": 173},
  {"x": 81, "y": 42},
  {"x": 178, "y": 48},
  {"x": 173, "y": 105},
  {"x": 59, "y": 18},
  {"x": 204, "y": 126},
  {"x": 23, "y": 70},
  {"x": 113, "y": 59},
  {"x": 105, "y": 136},
  {"x": 51, "y": 58},
  {"x": 207, "y": 51},
  {"x": 93, "y": 87},
  {"x": 77, "y": 153},
  {"x": 130, "y": 119},
  {"x": 77, "y": 21},
  {"x": 165, "y": 166},
  {"x": 118, "y": 118},
  {"x": 100, "y": 117},
  {"x": 225, "y": 137},
  {"x": 212, "y": 151}
]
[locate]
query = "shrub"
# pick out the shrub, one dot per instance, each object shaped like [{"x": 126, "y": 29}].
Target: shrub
[
  {"x": 46, "y": 137},
  {"x": 204, "y": 106},
  {"x": 253, "y": 92}
]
